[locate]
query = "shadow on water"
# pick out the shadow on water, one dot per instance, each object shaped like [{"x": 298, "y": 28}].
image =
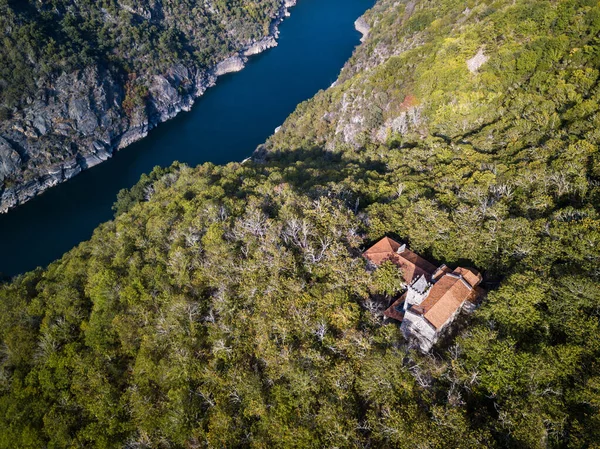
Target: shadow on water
[{"x": 226, "y": 124}]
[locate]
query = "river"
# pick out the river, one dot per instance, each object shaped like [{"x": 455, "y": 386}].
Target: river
[{"x": 226, "y": 124}]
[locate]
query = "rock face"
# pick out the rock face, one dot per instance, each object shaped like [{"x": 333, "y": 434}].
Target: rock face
[
  {"x": 477, "y": 61},
  {"x": 288, "y": 4},
  {"x": 260, "y": 46},
  {"x": 362, "y": 27},
  {"x": 79, "y": 120},
  {"x": 230, "y": 65},
  {"x": 9, "y": 160}
]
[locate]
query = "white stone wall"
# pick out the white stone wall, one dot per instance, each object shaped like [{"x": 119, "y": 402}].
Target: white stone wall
[
  {"x": 413, "y": 297},
  {"x": 469, "y": 307},
  {"x": 416, "y": 327}
]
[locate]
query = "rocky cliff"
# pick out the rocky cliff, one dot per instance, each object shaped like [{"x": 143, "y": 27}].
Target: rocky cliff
[
  {"x": 80, "y": 118},
  {"x": 362, "y": 27}
]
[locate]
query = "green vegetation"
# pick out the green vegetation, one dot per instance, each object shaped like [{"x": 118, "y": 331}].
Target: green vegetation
[
  {"x": 229, "y": 306},
  {"x": 130, "y": 37}
]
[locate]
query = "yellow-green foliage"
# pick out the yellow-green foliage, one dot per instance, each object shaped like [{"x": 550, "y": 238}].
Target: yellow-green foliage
[{"x": 229, "y": 306}]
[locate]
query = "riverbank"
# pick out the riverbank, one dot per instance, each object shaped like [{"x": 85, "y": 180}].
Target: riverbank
[
  {"x": 226, "y": 124},
  {"x": 101, "y": 128}
]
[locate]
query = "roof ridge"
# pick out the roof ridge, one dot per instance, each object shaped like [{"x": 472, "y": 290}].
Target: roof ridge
[{"x": 469, "y": 286}]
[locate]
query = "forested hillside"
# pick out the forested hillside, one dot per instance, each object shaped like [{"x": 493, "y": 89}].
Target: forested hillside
[
  {"x": 229, "y": 306},
  {"x": 80, "y": 79}
]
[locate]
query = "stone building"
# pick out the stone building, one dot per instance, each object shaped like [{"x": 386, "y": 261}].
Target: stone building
[{"x": 433, "y": 296}]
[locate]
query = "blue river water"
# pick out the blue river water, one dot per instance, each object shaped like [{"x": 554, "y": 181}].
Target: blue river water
[{"x": 226, "y": 124}]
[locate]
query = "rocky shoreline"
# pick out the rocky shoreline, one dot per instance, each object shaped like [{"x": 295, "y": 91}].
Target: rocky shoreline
[{"x": 81, "y": 115}]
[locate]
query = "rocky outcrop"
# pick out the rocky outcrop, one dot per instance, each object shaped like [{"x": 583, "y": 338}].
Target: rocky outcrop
[
  {"x": 72, "y": 125},
  {"x": 362, "y": 27},
  {"x": 230, "y": 65},
  {"x": 260, "y": 46},
  {"x": 79, "y": 120},
  {"x": 477, "y": 61},
  {"x": 10, "y": 160}
]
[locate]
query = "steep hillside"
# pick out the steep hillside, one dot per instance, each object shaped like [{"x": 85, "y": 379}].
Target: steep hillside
[
  {"x": 80, "y": 79},
  {"x": 229, "y": 306}
]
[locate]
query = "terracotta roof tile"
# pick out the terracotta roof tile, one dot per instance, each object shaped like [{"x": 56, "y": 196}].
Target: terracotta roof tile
[
  {"x": 411, "y": 263},
  {"x": 440, "y": 271},
  {"x": 444, "y": 299},
  {"x": 470, "y": 275},
  {"x": 382, "y": 250},
  {"x": 393, "y": 311}
]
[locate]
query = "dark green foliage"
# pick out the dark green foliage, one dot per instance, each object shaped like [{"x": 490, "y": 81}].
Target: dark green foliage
[
  {"x": 388, "y": 279},
  {"x": 229, "y": 306},
  {"x": 146, "y": 37},
  {"x": 142, "y": 191}
]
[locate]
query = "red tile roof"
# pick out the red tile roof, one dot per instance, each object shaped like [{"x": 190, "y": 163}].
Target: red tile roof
[
  {"x": 447, "y": 295},
  {"x": 411, "y": 263},
  {"x": 470, "y": 275},
  {"x": 382, "y": 250},
  {"x": 442, "y": 270},
  {"x": 392, "y": 312}
]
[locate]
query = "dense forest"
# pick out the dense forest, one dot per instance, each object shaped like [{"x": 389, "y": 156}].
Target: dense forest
[{"x": 229, "y": 306}]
